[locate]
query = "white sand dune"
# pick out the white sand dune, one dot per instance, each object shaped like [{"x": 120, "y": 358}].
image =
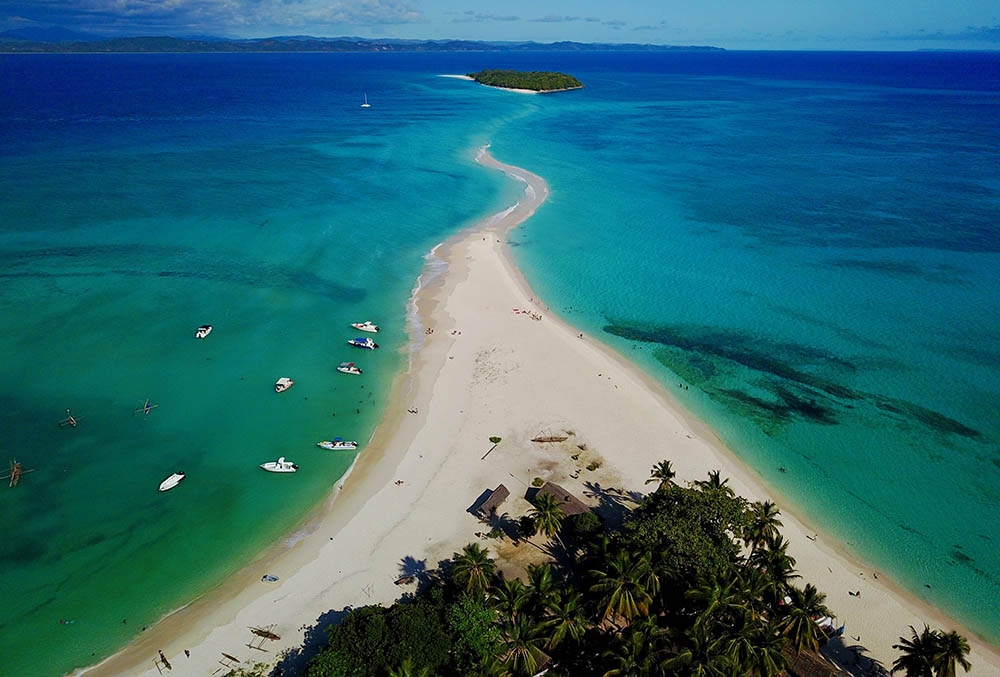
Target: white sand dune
[{"x": 486, "y": 370}]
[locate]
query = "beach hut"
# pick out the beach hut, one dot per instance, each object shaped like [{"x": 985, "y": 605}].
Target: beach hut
[
  {"x": 489, "y": 507},
  {"x": 571, "y": 505},
  {"x": 810, "y": 664}
]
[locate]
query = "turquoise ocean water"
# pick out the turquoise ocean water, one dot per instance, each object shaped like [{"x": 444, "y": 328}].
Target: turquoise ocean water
[{"x": 809, "y": 242}]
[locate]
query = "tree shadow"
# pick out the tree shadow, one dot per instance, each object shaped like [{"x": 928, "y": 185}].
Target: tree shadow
[
  {"x": 411, "y": 566},
  {"x": 612, "y": 504},
  {"x": 294, "y": 661},
  {"x": 853, "y": 658},
  {"x": 507, "y": 525}
]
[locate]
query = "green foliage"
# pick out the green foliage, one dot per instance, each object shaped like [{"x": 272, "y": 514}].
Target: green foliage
[
  {"x": 373, "y": 640},
  {"x": 472, "y": 569},
  {"x": 475, "y": 634},
  {"x": 540, "y": 81},
  {"x": 931, "y": 653},
  {"x": 585, "y": 525},
  {"x": 594, "y": 466},
  {"x": 495, "y": 440},
  {"x": 252, "y": 670},
  {"x": 689, "y": 530},
  {"x": 537, "y": 482}
]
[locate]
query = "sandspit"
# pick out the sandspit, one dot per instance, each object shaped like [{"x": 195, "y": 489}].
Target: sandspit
[{"x": 488, "y": 369}]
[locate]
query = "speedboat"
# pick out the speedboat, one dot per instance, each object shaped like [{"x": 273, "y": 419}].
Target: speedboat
[
  {"x": 172, "y": 481},
  {"x": 281, "y": 465},
  {"x": 365, "y": 326},
  {"x": 338, "y": 444},
  {"x": 203, "y": 331},
  {"x": 349, "y": 368},
  {"x": 365, "y": 343},
  {"x": 283, "y": 384}
]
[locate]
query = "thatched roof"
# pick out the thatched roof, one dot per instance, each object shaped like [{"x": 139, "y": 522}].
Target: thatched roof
[
  {"x": 807, "y": 663},
  {"x": 489, "y": 507},
  {"x": 571, "y": 505}
]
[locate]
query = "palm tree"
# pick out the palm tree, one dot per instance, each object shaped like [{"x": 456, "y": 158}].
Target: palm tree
[
  {"x": 755, "y": 648},
  {"x": 701, "y": 655},
  {"x": 620, "y": 586},
  {"x": 508, "y": 597},
  {"x": 522, "y": 643},
  {"x": 548, "y": 515},
  {"x": 952, "y": 650},
  {"x": 473, "y": 569},
  {"x": 764, "y": 524},
  {"x": 754, "y": 585},
  {"x": 919, "y": 653},
  {"x": 774, "y": 560},
  {"x": 542, "y": 585},
  {"x": 565, "y": 618},
  {"x": 631, "y": 656},
  {"x": 718, "y": 599},
  {"x": 663, "y": 473},
  {"x": 715, "y": 483},
  {"x": 407, "y": 669},
  {"x": 798, "y": 624}
]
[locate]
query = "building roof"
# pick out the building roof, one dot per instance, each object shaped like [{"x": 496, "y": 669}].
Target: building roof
[
  {"x": 807, "y": 663},
  {"x": 496, "y": 499},
  {"x": 571, "y": 505}
]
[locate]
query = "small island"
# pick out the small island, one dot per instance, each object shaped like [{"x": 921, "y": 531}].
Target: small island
[{"x": 535, "y": 81}]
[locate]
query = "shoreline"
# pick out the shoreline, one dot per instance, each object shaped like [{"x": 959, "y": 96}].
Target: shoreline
[
  {"x": 512, "y": 89},
  {"x": 466, "y": 386}
]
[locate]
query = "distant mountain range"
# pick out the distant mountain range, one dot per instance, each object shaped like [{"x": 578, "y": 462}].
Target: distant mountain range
[{"x": 58, "y": 39}]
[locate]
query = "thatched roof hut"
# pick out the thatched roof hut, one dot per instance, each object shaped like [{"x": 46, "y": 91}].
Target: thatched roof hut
[
  {"x": 571, "y": 505},
  {"x": 489, "y": 507},
  {"x": 807, "y": 663}
]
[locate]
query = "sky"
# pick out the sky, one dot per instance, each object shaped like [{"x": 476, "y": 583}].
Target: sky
[{"x": 733, "y": 24}]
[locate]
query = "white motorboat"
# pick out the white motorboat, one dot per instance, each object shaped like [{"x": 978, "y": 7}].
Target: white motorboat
[
  {"x": 365, "y": 326},
  {"x": 203, "y": 331},
  {"x": 172, "y": 481},
  {"x": 281, "y": 465},
  {"x": 349, "y": 368},
  {"x": 365, "y": 343},
  {"x": 338, "y": 444},
  {"x": 283, "y": 384}
]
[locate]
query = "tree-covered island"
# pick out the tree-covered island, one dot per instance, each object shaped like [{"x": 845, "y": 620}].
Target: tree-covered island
[{"x": 538, "y": 81}]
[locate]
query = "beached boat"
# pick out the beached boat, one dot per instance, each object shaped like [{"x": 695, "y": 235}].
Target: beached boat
[
  {"x": 365, "y": 326},
  {"x": 337, "y": 444},
  {"x": 281, "y": 465},
  {"x": 349, "y": 368},
  {"x": 172, "y": 481},
  {"x": 283, "y": 384},
  {"x": 203, "y": 331},
  {"x": 366, "y": 104},
  {"x": 365, "y": 343}
]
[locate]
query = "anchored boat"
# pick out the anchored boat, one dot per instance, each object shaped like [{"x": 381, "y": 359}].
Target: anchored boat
[
  {"x": 365, "y": 343},
  {"x": 281, "y": 465},
  {"x": 349, "y": 368},
  {"x": 338, "y": 444},
  {"x": 366, "y": 326},
  {"x": 283, "y": 384},
  {"x": 203, "y": 331},
  {"x": 172, "y": 481}
]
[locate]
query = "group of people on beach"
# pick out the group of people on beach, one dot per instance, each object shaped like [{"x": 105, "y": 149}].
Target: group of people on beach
[{"x": 523, "y": 311}]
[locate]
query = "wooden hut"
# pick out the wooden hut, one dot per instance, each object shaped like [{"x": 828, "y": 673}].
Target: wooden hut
[
  {"x": 807, "y": 663},
  {"x": 489, "y": 507},
  {"x": 571, "y": 505}
]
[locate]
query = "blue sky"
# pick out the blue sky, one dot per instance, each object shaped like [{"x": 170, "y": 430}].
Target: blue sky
[{"x": 735, "y": 24}]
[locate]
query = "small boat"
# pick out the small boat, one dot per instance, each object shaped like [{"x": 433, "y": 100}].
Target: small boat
[
  {"x": 281, "y": 465},
  {"x": 172, "y": 481},
  {"x": 267, "y": 578},
  {"x": 203, "y": 331},
  {"x": 349, "y": 368},
  {"x": 365, "y": 326},
  {"x": 283, "y": 384},
  {"x": 338, "y": 444},
  {"x": 366, "y": 104},
  {"x": 365, "y": 343},
  {"x": 550, "y": 438}
]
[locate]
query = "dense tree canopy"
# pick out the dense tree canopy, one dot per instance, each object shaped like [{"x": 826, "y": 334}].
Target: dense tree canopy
[{"x": 540, "y": 81}]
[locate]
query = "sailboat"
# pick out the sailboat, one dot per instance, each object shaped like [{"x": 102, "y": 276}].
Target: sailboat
[{"x": 366, "y": 104}]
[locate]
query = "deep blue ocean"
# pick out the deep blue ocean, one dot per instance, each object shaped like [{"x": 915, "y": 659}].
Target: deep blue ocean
[{"x": 810, "y": 241}]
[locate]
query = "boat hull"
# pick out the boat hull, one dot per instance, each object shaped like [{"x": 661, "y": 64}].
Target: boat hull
[{"x": 172, "y": 481}]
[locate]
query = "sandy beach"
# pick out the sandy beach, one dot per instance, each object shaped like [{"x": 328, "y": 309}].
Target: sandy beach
[{"x": 486, "y": 368}]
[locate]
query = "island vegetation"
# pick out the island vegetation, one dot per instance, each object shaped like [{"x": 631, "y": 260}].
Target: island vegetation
[
  {"x": 538, "y": 81},
  {"x": 692, "y": 582}
]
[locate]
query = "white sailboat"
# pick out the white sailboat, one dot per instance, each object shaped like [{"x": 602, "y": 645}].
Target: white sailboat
[{"x": 366, "y": 104}]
